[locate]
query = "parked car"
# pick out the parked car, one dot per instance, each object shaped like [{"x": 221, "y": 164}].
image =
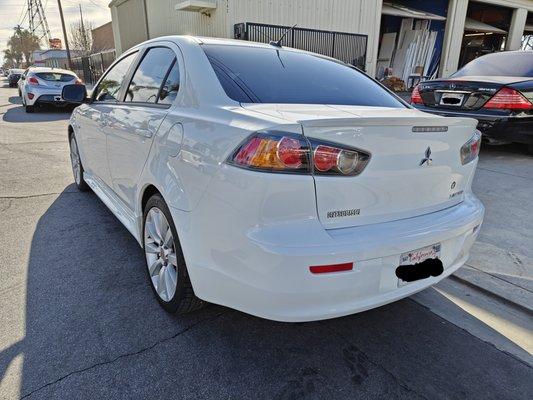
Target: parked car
[
  {"x": 496, "y": 89},
  {"x": 14, "y": 76},
  {"x": 274, "y": 181},
  {"x": 42, "y": 85}
]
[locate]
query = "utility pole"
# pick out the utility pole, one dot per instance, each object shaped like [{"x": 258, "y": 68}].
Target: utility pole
[
  {"x": 84, "y": 38},
  {"x": 64, "y": 34}
]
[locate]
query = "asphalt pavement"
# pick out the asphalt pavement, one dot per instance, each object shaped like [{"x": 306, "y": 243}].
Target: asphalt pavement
[{"x": 78, "y": 319}]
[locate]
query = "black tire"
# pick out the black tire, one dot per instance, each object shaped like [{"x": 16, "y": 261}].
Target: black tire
[
  {"x": 184, "y": 299},
  {"x": 29, "y": 109},
  {"x": 81, "y": 185}
]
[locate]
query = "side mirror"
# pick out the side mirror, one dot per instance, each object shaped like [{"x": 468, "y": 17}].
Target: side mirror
[{"x": 76, "y": 94}]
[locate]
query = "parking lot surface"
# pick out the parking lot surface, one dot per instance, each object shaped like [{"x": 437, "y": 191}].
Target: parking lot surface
[{"x": 78, "y": 319}]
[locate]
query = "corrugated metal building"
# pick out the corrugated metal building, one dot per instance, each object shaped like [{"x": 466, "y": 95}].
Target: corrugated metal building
[{"x": 137, "y": 20}]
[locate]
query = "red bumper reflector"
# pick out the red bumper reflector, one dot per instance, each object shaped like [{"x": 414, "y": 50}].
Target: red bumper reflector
[{"x": 324, "y": 269}]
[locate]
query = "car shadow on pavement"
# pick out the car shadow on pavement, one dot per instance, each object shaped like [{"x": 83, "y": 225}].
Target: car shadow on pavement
[
  {"x": 44, "y": 114},
  {"x": 15, "y": 100},
  {"x": 94, "y": 330}
]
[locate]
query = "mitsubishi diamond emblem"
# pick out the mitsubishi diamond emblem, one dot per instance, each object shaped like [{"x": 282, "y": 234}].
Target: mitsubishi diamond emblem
[{"x": 427, "y": 158}]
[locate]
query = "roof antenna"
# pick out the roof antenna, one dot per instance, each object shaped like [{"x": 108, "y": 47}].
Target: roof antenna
[{"x": 278, "y": 42}]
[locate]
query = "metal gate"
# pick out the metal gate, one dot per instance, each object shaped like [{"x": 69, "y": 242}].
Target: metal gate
[
  {"x": 90, "y": 68},
  {"x": 347, "y": 47}
]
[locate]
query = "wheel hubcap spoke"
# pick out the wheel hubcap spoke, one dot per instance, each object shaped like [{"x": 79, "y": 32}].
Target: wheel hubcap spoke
[{"x": 172, "y": 259}]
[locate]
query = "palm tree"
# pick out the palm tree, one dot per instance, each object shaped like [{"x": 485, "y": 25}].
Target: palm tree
[{"x": 23, "y": 42}]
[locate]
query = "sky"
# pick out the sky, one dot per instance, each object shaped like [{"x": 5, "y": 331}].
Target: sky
[{"x": 12, "y": 12}]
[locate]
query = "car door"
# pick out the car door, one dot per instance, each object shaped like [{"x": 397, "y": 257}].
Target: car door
[
  {"x": 134, "y": 122},
  {"x": 93, "y": 118}
]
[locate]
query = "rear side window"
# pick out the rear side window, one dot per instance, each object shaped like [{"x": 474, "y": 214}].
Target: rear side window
[
  {"x": 169, "y": 91},
  {"x": 109, "y": 86},
  {"x": 270, "y": 75},
  {"x": 518, "y": 64},
  {"x": 149, "y": 76},
  {"x": 55, "y": 77}
]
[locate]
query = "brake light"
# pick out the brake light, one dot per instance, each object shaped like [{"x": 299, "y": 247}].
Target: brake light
[
  {"x": 509, "y": 99},
  {"x": 33, "y": 81},
  {"x": 415, "y": 96},
  {"x": 329, "y": 159},
  {"x": 293, "y": 153},
  {"x": 470, "y": 150}
]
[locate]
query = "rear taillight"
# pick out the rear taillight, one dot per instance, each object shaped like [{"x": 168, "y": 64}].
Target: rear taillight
[
  {"x": 470, "y": 150},
  {"x": 415, "y": 96},
  {"x": 509, "y": 99},
  {"x": 293, "y": 153},
  {"x": 33, "y": 81}
]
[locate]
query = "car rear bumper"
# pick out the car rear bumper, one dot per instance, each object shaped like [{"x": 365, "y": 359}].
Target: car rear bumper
[
  {"x": 267, "y": 274},
  {"x": 49, "y": 99},
  {"x": 495, "y": 128}
]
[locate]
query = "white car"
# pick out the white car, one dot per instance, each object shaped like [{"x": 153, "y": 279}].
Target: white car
[
  {"x": 274, "y": 181},
  {"x": 43, "y": 85}
]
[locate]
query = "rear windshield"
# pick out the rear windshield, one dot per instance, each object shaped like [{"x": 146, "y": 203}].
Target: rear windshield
[
  {"x": 500, "y": 64},
  {"x": 55, "y": 76},
  {"x": 269, "y": 75}
]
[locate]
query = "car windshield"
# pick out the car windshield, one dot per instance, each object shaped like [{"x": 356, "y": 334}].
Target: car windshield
[
  {"x": 500, "y": 64},
  {"x": 55, "y": 76},
  {"x": 268, "y": 75}
]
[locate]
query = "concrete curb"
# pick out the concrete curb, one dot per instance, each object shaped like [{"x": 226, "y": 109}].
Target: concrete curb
[{"x": 497, "y": 287}]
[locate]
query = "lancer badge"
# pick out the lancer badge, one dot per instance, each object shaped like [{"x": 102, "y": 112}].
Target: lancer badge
[{"x": 427, "y": 158}]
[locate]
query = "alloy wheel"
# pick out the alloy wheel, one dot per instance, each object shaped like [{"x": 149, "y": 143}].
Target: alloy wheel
[
  {"x": 160, "y": 254},
  {"x": 75, "y": 161}
]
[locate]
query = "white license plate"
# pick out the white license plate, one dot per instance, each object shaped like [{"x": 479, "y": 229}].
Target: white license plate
[
  {"x": 452, "y": 99},
  {"x": 417, "y": 256}
]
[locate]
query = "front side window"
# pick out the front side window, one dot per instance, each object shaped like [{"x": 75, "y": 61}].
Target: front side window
[
  {"x": 270, "y": 75},
  {"x": 149, "y": 76},
  {"x": 109, "y": 87}
]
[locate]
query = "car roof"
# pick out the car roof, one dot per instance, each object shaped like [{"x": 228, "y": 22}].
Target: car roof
[{"x": 188, "y": 40}]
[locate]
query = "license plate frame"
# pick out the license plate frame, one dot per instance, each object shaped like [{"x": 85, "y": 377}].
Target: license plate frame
[
  {"x": 460, "y": 97},
  {"x": 450, "y": 95},
  {"x": 418, "y": 256}
]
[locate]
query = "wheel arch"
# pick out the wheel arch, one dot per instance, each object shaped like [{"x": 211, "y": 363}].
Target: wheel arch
[{"x": 148, "y": 191}]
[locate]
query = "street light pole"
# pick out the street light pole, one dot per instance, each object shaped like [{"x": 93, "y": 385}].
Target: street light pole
[{"x": 64, "y": 34}]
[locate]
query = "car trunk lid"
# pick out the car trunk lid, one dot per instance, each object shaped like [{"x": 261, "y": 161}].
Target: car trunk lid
[
  {"x": 402, "y": 179},
  {"x": 463, "y": 93}
]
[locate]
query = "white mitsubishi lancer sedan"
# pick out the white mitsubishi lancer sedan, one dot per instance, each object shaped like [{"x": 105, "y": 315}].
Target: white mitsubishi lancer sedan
[{"x": 274, "y": 181}]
